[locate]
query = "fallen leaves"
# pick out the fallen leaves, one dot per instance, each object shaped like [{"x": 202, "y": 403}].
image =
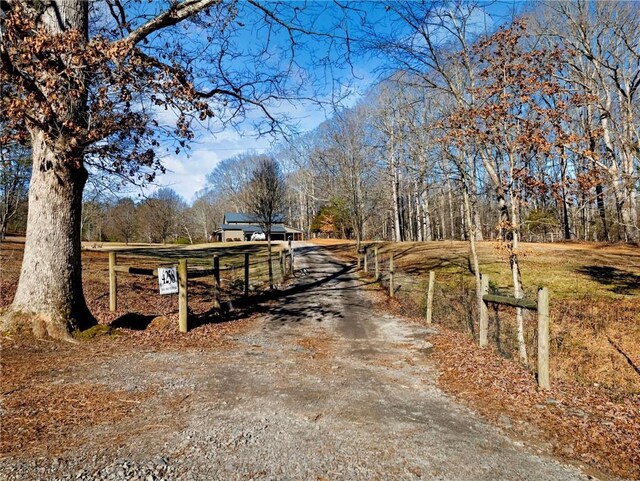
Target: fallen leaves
[
  {"x": 582, "y": 423},
  {"x": 592, "y": 425},
  {"x": 46, "y": 408},
  {"x": 46, "y": 418}
]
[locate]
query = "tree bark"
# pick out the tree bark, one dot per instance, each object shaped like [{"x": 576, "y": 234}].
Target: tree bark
[
  {"x": 517, "y": 283},
  {"x": 566, "y": 228},
  {"x": 452, "y": 225},
  {"x": 428, "y": 233},
  {"x": 49, "y": 292},
  {"x": 397, "y": 227},
  {"x": 473, "y": 192},
  {"x": 471, "y": 237},
  {"x": 443, "y": 224},
  {"x": 49, "y": 296}
]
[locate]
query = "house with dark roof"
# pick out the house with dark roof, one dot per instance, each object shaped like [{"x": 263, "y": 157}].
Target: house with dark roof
[{"x": 237, "y": 226}]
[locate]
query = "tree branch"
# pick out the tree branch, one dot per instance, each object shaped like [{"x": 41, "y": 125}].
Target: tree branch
[{"x": 173, "y": 16}]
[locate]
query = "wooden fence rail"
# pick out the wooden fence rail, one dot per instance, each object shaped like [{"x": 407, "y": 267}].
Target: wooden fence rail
[
  {"x": 185, "y": 273},
  {"x": 541, "y": 305}
]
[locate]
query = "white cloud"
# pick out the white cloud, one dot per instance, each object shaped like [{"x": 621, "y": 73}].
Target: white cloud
[
  {"x": 187, "y": 172},
  {"x": 187, "y": 175}
]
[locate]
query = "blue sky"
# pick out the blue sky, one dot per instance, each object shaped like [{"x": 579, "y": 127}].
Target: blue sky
[{"x": 186, "y": 173}]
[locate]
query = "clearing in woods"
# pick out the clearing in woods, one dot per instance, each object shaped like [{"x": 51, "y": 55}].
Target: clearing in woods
[{"x": 319, "y": 383}]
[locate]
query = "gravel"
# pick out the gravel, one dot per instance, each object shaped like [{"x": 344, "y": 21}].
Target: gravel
[{"x": 323, "y": 388}]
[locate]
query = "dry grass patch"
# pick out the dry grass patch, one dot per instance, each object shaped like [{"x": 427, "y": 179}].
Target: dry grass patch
[
  {"x": 595, "y": 300},
  {"x": 584, "y": 423}
]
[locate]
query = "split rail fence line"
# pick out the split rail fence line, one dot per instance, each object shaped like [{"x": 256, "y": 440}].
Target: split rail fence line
[
  {"x": 541, "y": 305},
  {"x": 285, "y": 260}
]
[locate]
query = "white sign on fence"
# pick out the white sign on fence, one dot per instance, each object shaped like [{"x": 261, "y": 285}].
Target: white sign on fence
[{"x": 168, "y": 280}]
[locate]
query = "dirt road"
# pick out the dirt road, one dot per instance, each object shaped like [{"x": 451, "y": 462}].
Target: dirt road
[{"x": 323, "y": 388}]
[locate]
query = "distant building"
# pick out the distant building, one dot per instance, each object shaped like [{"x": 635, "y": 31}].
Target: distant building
[{"x": 237, "y": 226}]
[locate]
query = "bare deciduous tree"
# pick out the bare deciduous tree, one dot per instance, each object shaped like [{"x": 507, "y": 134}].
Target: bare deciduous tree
[
  {"x": 88, "y": 98},
  {"x": 348, "y": 157},
  {"x": 266, "y": 198},
  {"x": 15, "y": 167},
  {"x": 159, "y": 215},
  {"x": 604, "y": 64},
  {"x": 122, "y": 222}
]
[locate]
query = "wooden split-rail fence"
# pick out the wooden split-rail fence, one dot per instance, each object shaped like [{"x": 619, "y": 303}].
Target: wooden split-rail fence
[
  {"x": 184, "y": 274},
  {"x": 540, "y": 305}
]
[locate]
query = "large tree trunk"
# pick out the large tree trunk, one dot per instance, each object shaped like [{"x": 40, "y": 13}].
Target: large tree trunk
[
  {"x": 428, "y": 233},
  {"x": 49, "y": 296},
  {"x": 452, "y": 225},
  {"x": 442, "y": 234},
  {"x": 602, "y": 212},
  {"x": 566, "y": 228},
  {"x": 599, "y": 191},
  {"x": 419, "y": 216},
  {"x": 473, "y": 191}
]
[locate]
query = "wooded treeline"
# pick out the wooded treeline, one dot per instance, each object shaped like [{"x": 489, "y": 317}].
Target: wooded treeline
[
  {"x": 163, "y": 217},
  {"x": 532, "y": 129}
]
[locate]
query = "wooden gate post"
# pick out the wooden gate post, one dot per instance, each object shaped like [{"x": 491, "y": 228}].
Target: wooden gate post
[
  {"x": 113, "y": 286},
  {"x": 216, "y": 282},
  {"x": 377, "y": 264},
  {"x": 484, "y": 311},
  {"x": 291, "y": 259},
  {"x": 543, "y": 338},
  {"x": 432, "y": 279},
  {"x": 182, "y": 294},
  {"x": 391, "y": 289},
  {"x": 282, "y": 263},
  {"x": 366, "y": 261},
  {"x": 246, "y": 274},
  {"x": 285, "y": 264}
]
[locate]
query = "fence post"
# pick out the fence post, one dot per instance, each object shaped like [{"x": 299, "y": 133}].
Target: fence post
[
  {"x": 366, "y": 261},
  {"x": 286, "y": 261},
  {"x": 432, "y": 281},
  {"x": 113, "y": 286},
  {"x": 543, "y": 338},
  {"x": 391, "y": 289},
  {"x": 246, "y": 274},
  {"x": 291, "y": 259},
  {"x": 216, "y": 282},
  {"x": 182, "y": 294},
  {"x": 377, "y": 264},
  {"x": 484, "y": 311},
  {"x": 281, "y": 254}
]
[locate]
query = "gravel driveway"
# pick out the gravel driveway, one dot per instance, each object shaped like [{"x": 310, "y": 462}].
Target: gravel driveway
[{"x": 323, "y": 388}]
